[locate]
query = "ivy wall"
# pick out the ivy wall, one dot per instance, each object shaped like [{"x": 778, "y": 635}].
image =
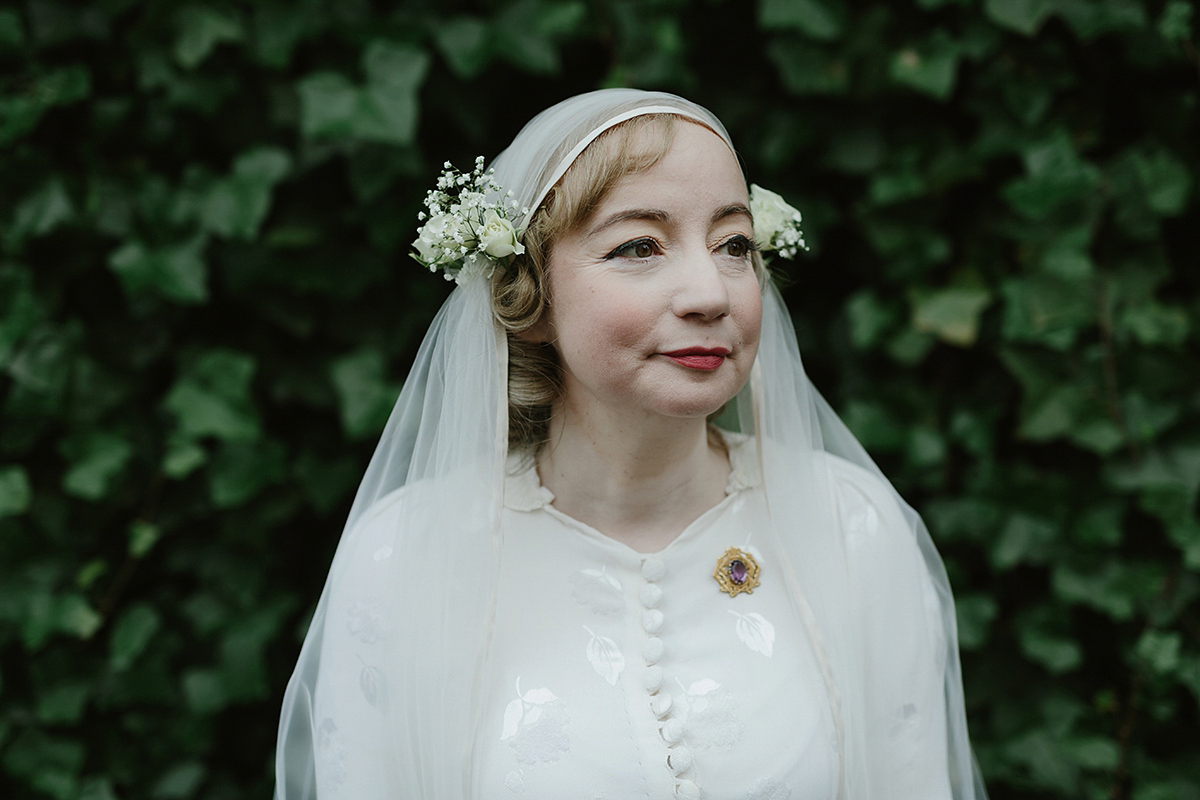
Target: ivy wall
[{"x": 206, "y": 311}]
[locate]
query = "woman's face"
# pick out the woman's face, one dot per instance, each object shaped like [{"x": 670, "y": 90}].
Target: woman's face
[{"x": 655, "y": 306}]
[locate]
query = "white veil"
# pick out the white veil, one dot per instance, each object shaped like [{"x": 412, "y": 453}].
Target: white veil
[{"x": 385, "y": 697}]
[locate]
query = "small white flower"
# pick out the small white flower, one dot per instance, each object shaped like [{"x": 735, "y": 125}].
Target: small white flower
[{"x": 776, "y": 224}]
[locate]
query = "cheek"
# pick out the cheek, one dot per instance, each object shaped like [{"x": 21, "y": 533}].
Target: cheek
[{"x": 750, "y": 316}]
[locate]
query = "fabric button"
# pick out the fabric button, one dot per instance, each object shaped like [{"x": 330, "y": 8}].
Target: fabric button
[
  {"x": 672, "y": 731},
  {"x": 653, "y": 569},
  {"x": 661, "y": 705},
  {"x": 651, "y": 594},
  {"x": 652, "y": 620},
  {"x": 652, "y": 680},
  {"x": 652, "y": 649},
  {"x": 687, "y": 790},
  {"x": 679, "y": 759}
]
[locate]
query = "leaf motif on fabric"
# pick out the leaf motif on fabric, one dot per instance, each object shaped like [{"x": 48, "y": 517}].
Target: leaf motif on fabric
[
  {"x": 535, "y": 727},
  {"x": 598, "y": 591},
  {"x": 382, "y": 554},
  {"x": 860, "y": 518},
  {"x": 605, "y": 656},
  {"x": 702, "y": 687},
  {"x": 769, "y": 789},
  {"x": 331, "y": 757},
  {"x": 755, "y": 632},
  {"x": 538, "y": 697},
  {"x": 515, "y": 781},
  {"x": 371, "y": 682},
  {"x": 512, "y": 719},
  {"x": 364, "y": 621}
]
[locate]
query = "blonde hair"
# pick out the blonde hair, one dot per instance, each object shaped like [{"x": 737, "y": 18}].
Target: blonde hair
[{"x": 520, "y": 293}]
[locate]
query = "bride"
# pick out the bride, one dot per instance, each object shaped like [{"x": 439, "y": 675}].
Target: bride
[{"x": 560, "y": 579}]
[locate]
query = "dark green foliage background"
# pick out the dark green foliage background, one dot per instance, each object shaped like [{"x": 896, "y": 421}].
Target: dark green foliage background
[{"x": 206, "y": 311}]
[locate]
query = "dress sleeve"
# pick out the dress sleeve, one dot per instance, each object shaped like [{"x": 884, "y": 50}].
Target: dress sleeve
[{"x": 904, "y": 643}]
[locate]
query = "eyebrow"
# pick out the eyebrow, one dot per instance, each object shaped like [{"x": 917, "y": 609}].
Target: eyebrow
[{"x": 657, "y": 215}]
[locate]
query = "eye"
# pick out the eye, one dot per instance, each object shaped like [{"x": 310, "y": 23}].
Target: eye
[
  {"x": 638, "y": 248},
  {"x": 738, "y": 246}
]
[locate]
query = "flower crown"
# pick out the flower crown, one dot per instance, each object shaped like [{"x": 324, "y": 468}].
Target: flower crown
[{"x": 466, "y": 234}]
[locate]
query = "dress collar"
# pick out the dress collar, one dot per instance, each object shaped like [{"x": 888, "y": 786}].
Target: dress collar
[{"x": 523, "y": 489}]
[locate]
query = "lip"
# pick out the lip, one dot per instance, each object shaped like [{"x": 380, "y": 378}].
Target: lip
[{"x": 701, "y": 358}]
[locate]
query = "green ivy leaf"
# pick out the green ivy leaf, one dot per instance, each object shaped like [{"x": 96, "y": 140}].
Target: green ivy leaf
[
  {"x": 931, "y": 68},
  {"x": 20, "y": 114},
  {"x": 48, "y": 763},
  {"x": 527, "y": 32},
  {"x": 975, "y": 613},
  {"x": 1106, "y": 590},
  {"x": 1176, "y": 22},
  {"x": 950, "y": 314},
  {"x": 1023, "y": 538},
  {"x": 12, "y": 33},
  {"x": 384, "y": 110},
  {"x": 1166, "y": 180},
  {"x": 15, "y": 492},
  {"x": 133, "y": 630},
  {"x": 807, "y": 68},
  {"x": 179, "y": 782},
  {"x": 40, "y": 213},
  {"x": 142, "y": 537},
  {"x": 201, "y": 29},
  {"x": 390, "y": 107},
  {"x": 236, "y": 206},
  {"x": 1023, "y": 16},
  {"x": 365, "y": 398},
  {"x": 464, "y": 43},
  {"x": 97, "y": 458},
  {"x": 176, "y": 272},
  {"x": 240, "y": 470},
  {"x": 1047, "y": 310},
  {"x": 869, "y": 318},
  {"x": 204, "y": 691},
  {"x": 183, "y": 457},
  {"x": 819, "y": 19},
  {"x": 1057, "y": 653},
  {"x": 97, "y": 789},
  {"x": 74, "y": 615},
  {"x": 63, "y": 704},
  {"x": 1159, "y": 649},
  {"x": 212, "y": 398},
  {"x": 1153, "y": 324},
  {"x": 1056, "y": 176}
]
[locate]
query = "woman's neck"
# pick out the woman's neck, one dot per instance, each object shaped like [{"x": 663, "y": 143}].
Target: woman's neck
[{"x": 641, "y": 485}]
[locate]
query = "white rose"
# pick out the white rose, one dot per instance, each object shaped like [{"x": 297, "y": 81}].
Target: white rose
[
  {"x": 427, "y": 251},
  {"x": 497, "y": 237},
  {"x": 436, "y": 235},
  {"x": 772, "y": 215}
]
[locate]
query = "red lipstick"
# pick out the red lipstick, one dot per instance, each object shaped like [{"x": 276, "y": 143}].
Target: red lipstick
[{"x": 702, "y": 358}]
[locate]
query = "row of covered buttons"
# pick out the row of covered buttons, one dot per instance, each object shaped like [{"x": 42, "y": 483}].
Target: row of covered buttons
[{"x": 679, "y": 758}]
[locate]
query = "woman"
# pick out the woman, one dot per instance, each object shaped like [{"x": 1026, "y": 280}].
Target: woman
[{"x": 558, "y": 579}]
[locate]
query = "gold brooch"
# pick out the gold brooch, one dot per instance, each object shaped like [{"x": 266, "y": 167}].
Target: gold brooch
[{"x": 737, "y": 572}]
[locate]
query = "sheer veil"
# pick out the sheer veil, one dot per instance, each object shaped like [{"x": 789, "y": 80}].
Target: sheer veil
[{"x": 399, "y": 642}]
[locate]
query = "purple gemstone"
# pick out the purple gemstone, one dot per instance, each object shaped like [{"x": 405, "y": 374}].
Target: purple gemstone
[{"x": 738, "y": 571}]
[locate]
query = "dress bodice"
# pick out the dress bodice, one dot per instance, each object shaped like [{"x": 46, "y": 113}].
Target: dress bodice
[{"x": 617, "y": 674}]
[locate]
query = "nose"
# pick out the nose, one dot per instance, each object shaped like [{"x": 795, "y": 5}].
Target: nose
[{"x": 701, "y": 291}]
